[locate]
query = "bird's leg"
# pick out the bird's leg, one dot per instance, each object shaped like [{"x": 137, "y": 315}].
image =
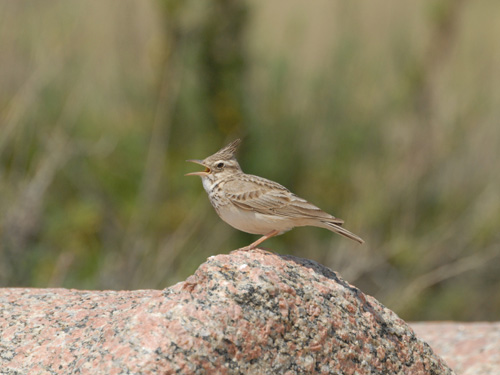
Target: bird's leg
[{"x": 253, "y": 245}]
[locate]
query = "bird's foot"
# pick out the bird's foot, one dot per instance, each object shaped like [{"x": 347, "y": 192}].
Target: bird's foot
[
  {"x": 255, "y": 248},
  {"x": 246, "y": 248}
]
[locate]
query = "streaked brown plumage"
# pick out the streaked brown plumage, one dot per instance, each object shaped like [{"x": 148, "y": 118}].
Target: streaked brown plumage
[{"x": 257, "y": 205}]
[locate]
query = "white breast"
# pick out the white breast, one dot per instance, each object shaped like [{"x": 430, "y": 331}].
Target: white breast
[
  {"x": 253, "y": 222},
  {"x": 244, "y": 220}
]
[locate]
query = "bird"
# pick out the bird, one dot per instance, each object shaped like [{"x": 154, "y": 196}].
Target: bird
[{"x": 256, "y": 205}]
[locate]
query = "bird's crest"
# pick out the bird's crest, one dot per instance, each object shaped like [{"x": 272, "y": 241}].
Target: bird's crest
[{"x": 228, "y": 151}]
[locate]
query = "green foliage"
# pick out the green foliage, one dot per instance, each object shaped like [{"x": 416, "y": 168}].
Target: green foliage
[{"x": 385, "y": 119}]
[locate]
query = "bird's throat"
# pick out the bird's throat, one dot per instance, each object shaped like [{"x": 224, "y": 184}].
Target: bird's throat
[{"x": 207, "y": 184}]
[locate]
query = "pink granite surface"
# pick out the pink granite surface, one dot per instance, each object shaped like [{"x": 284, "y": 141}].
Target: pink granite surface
[
  {"x": 243, "y": 313},
  {"x": 469, "y": 348}
]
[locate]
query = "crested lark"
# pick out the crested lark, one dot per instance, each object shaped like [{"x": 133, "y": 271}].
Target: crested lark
[{"x": 256, "y": 205}]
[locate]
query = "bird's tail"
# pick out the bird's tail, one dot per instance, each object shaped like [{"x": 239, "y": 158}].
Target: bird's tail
[{"x": 342, "y": 231}]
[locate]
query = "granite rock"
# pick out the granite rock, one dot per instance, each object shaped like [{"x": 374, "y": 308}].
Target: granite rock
[
  {"x": 244, "y": 313},
  {"x": 471, "y": 348}
]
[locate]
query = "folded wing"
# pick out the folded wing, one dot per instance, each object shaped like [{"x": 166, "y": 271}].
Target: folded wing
[{"x": 268, "y": 197}]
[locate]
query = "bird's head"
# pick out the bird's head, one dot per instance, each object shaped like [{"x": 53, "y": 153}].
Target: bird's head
[{"x": 219, "y": 165}]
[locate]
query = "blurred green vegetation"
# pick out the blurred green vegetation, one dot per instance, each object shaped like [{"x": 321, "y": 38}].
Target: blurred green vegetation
[{"x": 382, "y": 113}]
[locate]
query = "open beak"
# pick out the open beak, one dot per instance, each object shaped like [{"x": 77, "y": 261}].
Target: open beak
[{"x": 202, "y": 173}]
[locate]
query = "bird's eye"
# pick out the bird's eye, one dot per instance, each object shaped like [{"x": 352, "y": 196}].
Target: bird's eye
[{"x": 220, "y": 165}]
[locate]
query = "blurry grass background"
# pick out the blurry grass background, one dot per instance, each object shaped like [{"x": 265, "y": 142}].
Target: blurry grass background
[{"x": 384, "y": 113}]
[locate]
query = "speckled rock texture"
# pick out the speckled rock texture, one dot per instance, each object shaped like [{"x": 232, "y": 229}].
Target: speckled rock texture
[{"x": 244, "y": 313}]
